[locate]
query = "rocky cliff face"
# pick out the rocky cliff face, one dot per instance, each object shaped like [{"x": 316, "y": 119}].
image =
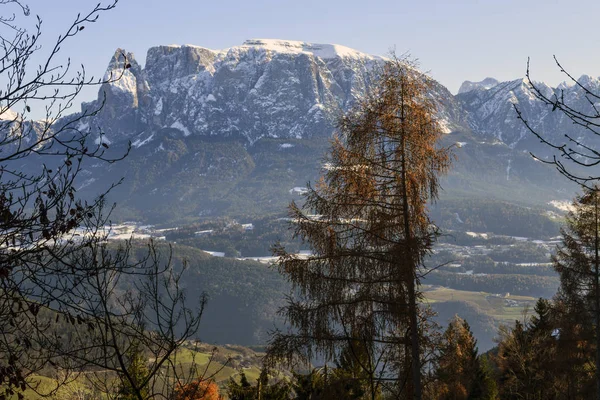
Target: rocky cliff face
[
  {"x": 213, "y": 130},
  {"x": 288, "y": 89},
  {"x": 261, "y": 89},
  {"x": 491, "y": 111},
  {"x": 485, "y": 84}
]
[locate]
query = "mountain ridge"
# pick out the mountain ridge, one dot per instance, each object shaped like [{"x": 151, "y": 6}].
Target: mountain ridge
[
  {"x": 196, "y": 90},
  {"x": 219, "y": 130},
  {"x": 485, "y": 84}
]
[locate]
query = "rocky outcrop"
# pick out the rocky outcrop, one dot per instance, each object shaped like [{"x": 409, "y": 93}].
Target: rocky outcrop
[
  {"x": 491, "y": 112},
  {"x": 218, "y": 131},
  {"x": 485, "y": 84},
  {"x": 263, "y": 88}
]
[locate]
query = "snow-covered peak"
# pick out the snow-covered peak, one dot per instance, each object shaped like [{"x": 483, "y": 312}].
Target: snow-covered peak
[
  {"x": 324, "y": 51},
  {"x": 193, "y": 46},
  {"x": 565, "y": 85},
  {"x": 485, "y": 84},
  {"x": 6, "y": 114},
  {"x": 260, "y": 88},
  {"x": 587, "y": 81},
  {"x": 184, "y": 47},
  {"x": 121, "y": 72},
  {"x": 165, "y": 63}
]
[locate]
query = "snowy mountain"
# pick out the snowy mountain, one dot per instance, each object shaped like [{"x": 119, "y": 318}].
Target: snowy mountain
[
  {"x": 235, "y": 130},
  {"x": 263, "y": 88},
  {"x": 485, "y": 84},
  {"x": 492, "y": 112}
]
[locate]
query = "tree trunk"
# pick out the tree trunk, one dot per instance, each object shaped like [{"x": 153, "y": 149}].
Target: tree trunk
[
  {"x": 410, "y": 263},
  {"x": 414, "y": 330}
]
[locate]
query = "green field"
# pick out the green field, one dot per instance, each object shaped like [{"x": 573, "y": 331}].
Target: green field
[
  {"x": 218, "y": 363},
  {"x": 495, "y": 307}
]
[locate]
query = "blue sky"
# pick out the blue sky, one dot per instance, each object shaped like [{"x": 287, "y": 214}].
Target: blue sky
[{"x": 453, "y": 40}]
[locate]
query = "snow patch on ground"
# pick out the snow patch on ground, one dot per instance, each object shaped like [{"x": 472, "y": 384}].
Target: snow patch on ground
[
  {"x": 298, "y": 190},
  {"x": 181, "y": 127},
  {"x": 102, "y": 139},
  {"x": 477, "y": 235},
  {"x": 139, "y": 142},
  {"x": 519, "y": 238},
  {"x": 563, "y": 205},
  {"x": 445, "y": 126},
  {"x": 460, "y": 221},
  {"x": 86, "y": 183},
  {"x": 286, "y": 146},
  {"x": 215, "y": 253},
  {"x": 159, "y": 107}
]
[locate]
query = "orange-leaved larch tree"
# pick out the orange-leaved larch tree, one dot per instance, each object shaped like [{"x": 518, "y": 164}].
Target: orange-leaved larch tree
[
  {"x": 198, "y": 389},
  {"x": 367, "y": 225}
]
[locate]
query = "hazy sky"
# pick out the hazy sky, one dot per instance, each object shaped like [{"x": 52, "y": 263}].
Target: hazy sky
[{"x": 454, "y": 40}]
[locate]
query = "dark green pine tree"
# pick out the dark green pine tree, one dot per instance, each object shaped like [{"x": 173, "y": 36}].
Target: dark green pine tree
[
  {"x": 262, "y": 391},
  {"x": 527, "y": 357},
  {"x": 132, "y": 385},
  {"x": 343, "y": 382},
  {"x": 541, "y": 322},
  {"x": 577, "y": 262},
  {"x": 354, "y": 375},
  {"x": 513, "y": 361},
  {"x": 308, "y": 386},
  {"x": 486, "y": 387},
  {"x": 242, "y": 390},
  {"x": 277, "y": 391},
  {"x": 541, "y": 329}
]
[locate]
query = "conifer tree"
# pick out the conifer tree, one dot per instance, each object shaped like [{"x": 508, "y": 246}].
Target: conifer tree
[
  {"x": 577, "y": 262},
  {"x": 513, "y": 360},
  {"x": 555, "y": 354},
  {"x": 367, "y": 225},
  {"x": 488, "y": 388},
  {"x": 458, "y": 366},
  {"x": 574, "y": 377},
  {"x": 133, "y": 385},
  {"x": 331, "y": 383},
  {"x": 280, "y": 390},
  {"x": 541, "y": 329},
  {"x": 242, "y": 390},
  {"x": 527, "y": 357},
  {"x": 349, "y": 372}
]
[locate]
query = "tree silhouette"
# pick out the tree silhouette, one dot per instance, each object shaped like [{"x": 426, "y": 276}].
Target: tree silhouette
[{"x": 67, "y": 299}]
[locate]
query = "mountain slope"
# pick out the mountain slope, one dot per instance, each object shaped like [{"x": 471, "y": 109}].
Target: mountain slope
[
  {"x": 232, "y": 132},
  {"x": 263, "y": 88}
]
